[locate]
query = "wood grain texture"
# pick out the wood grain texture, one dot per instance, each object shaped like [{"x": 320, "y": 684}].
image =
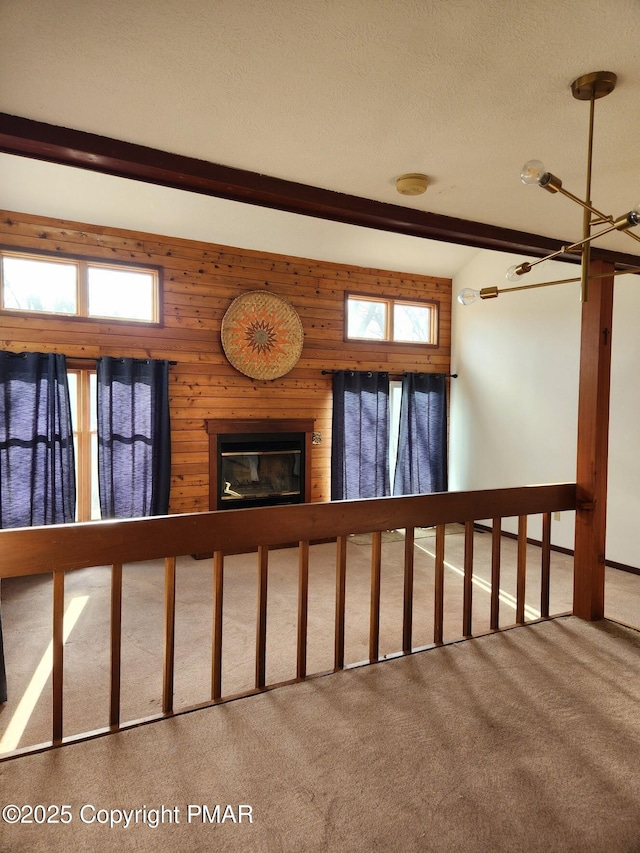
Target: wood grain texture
[
  {"x": 593, "y": 442},
  {"x": 200, "y": 280},
  {"x": 38, "y": 550},
  {"x": 116, "y": 644}
]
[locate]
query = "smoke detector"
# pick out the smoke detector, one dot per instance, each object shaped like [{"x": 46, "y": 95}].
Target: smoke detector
[{"x": 412, "y": 184}]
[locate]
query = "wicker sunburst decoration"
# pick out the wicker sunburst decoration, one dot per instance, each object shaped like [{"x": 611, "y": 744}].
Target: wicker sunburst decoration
[{"x": 262, "y": 335}]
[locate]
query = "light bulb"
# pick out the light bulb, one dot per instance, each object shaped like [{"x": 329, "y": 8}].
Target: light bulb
[
  {"x": 468, "y": 296},
  {"x": 533, "y": 172},
  {"x": 511, "y": 273},
  {"x": 516, "y": 271}
]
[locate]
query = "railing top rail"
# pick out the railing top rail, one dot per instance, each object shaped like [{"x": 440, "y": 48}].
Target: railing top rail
[{"x": 36, "y": 550}]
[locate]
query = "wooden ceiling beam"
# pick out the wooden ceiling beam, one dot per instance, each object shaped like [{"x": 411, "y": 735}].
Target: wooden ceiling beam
[{"x": 65, "y": 146}]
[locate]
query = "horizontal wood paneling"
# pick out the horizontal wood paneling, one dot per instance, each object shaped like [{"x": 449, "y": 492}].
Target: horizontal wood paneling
[{"x": 199, "y": 282}]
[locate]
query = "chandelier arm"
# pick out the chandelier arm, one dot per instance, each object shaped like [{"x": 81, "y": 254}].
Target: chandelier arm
[
  {"x": 585, "y": 240},
  {"x": 585, "y": 205},
  {"x": 602, "y": 216},
  {"x": 630, "y": 271},
  {"x": 563, "y": 249}
]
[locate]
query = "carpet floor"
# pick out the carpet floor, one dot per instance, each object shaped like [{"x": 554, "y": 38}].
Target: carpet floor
[
  {"x": 26, "y": 612},
  {"x": 524, "y": 740}
]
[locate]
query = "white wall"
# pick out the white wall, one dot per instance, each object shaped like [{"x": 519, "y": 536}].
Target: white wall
[
  {"x": 623, "y": 517},
  {"x": 514, "y": 404},
  {"x": 46, "y": 189}
]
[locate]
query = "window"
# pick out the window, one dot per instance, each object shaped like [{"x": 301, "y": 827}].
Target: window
[
  {"x": 82, "y": 394},
  {"x": 372, "y": 318},
  {"x": 78, "y": 288}
]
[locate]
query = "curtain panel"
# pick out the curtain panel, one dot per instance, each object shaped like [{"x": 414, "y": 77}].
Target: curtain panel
[
  {"x": 37, "y": 463},
  {"x": 134, "y": 443},
  {"x": 421, "y": 464},
  {"x": 360, "y": 435}
]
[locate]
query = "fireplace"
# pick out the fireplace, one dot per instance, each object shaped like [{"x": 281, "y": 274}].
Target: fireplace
[{"x": 259, "y": 462}]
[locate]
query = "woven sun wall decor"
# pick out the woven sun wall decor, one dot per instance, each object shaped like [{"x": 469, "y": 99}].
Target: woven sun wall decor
[{"x": 262, "y": 335}]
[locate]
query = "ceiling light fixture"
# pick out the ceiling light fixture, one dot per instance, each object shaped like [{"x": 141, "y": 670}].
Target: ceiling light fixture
[{"x": 589, "y": 87}]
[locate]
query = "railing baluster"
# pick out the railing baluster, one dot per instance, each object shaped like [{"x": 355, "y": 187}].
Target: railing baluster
[
  {"x": 496, "y": 537},
  {"x": 341, "y": 585},
  {"x": 116, "y": 644},
  {"x": 261, "y": 622},
  {"x": 522, "y": 568},
  {"x": 374, "y": 613},
  {"x": 438, "y": 609},
  {"x": 467, "y": 602},
  {"x": 545, "y": 584},
  {"x": 57, "y": 677},
  {"x": 303, "y": 608},
  {"x": 216, "y": 649},
  {"x": 27, "y": 552},
  {"x": 169, "y": 633},
  {"x": 407, "y": 617}
]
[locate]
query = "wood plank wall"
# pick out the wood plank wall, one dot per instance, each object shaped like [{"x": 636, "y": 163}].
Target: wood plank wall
[{"x": 200, "y": 280}]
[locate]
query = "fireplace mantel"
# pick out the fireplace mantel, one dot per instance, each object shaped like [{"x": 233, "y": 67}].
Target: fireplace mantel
[{"x": 222, "y": 430}]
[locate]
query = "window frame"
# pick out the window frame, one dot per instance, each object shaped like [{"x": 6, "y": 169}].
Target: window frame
[
  {"x": 390, "y": 302},
  {"x": 83, "y": 263}
]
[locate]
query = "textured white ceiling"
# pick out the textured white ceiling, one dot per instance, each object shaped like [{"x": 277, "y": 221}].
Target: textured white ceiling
[{"x": 348, "y": 94}]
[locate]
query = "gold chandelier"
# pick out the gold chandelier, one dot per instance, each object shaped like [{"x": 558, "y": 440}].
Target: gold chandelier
[{"x": 589, "y": 87}]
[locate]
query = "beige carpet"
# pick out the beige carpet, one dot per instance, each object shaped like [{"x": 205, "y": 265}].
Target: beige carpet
[
  {"x": 26, "y": 614},
  {"x": 525, "y": 740}
]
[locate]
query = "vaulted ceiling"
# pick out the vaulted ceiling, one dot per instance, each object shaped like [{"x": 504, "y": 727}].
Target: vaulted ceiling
[{"x": 346, "y": 96}]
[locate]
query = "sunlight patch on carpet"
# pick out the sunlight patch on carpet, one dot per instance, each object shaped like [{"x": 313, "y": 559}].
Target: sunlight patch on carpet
[
  {"x": 485, "y": 586},
  {"x": 22, "y": 714}
]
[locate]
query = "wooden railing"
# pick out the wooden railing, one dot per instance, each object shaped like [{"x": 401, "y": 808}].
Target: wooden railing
[{"x": 59, "y": 549}]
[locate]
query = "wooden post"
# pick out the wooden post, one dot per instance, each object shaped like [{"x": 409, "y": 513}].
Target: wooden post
[
  {"x": 169, "y": 633},
  {"x": 303, "y": 608},
  {"x": 341, "y": 588},
  {"x": 116, "y": 644},
  {"x": 216, "y": 637},
  {"x": 593, "y": 441}
]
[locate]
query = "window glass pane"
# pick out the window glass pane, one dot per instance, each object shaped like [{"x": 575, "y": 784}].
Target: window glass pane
[
  {"x": 33, "y": 285},
  {"x": 93, "y": 401},
  {"x": 95, "y": 496},
  {"x": 122, "y": 294},
  {"x": 93, "y": 428},
  {"x": 411, "y": 323},
  {"x": 72, "y": 380},
  {"x": 395, "y": 401},
  {"x": 366, "y": 319}
]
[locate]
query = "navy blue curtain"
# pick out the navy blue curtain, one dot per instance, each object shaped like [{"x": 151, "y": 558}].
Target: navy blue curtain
[
  {"x": 134, "y": 443},
  {"x": 360, "y": 435},
  {"x": 421, "y": 464},
  {"x": 37, "y": 465}
]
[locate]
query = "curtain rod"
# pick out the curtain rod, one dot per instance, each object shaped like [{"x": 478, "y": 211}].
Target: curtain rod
[
  {"x": 80, "y": 357},
  {"x": 405, "y": 373},
  {"x": 116, "y": 358}
]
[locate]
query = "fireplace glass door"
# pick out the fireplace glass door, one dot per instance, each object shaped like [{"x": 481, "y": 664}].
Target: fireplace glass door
[
  {"x": 260, "y": 470},
  {"x": 260, "y": 475}
]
